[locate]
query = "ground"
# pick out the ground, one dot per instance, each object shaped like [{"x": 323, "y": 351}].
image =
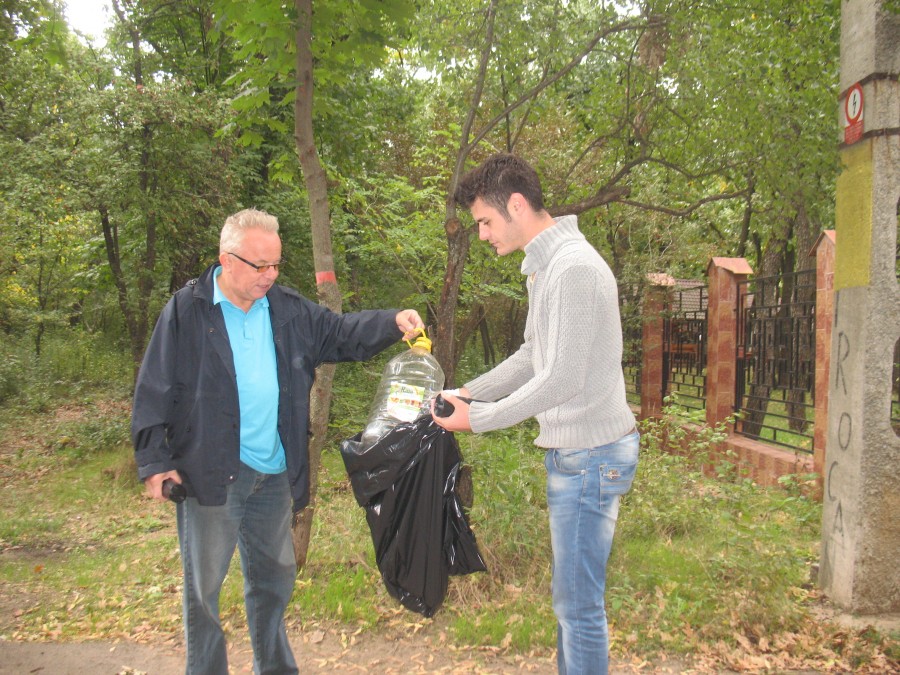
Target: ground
[
  {"x": 402, "y": 648},
  {"x": 316, "y": 652},
  {"x": 407, "y": 651}
]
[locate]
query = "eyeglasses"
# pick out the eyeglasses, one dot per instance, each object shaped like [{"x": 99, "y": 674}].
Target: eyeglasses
[{"x": 259, "y": 268}]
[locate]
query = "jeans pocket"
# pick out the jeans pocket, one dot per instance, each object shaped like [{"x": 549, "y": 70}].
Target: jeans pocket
[
  {"x": 616, "y": 477},
  {"x": 572, "y": 461}
]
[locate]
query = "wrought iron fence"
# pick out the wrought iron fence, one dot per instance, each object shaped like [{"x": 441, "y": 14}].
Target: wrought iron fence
[
  {"x": 684, "y": 347},
  {"x": 632, "y": 352},
  {"x": 775, "y": 359}
]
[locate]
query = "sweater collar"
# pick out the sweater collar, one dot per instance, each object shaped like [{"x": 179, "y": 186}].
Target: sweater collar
[{"x": 543, "y": 247}]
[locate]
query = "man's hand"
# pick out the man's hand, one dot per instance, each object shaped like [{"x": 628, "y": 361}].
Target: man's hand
[
  {"x": 410, "y": 323},
  {"x": 153, "y": 484},
  {"x": 459, "y": 420}
]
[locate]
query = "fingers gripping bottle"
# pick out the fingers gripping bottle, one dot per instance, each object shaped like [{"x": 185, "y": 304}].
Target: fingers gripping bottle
[{"x": 408, "y": 384}]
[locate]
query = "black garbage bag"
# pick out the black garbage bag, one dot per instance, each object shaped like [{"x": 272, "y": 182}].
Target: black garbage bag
[{"x": 407, "y": 483}]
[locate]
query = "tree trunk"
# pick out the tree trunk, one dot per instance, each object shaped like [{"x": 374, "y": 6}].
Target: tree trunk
[
  {"x": 445, "y": 350},
  {"x": 137, "y": 327},
  {"x": 487, "y": 347},
  {"x": 328, "y": 291},
  {"x": 747, "y": 217},
  {"x": 457, "y": 235}
]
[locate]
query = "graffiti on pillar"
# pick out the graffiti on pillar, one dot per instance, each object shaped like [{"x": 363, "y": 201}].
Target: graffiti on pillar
[
  {"x": 843, "y": 352},
  {"x": 845, "y": 431},
  {"x": 834, "y": 539},
  {"x": 838, "y": 525}
]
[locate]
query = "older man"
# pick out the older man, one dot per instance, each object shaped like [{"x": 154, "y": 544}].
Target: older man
[{"x": 221, "y": 407}]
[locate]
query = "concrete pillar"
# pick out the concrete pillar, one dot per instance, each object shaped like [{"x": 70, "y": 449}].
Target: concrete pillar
[
  {"x": 824, "y": 254},
  {"x": 859, "y": 568},
  {"x": 724, "y": 276},
  {"x": 655, "y": 303}
]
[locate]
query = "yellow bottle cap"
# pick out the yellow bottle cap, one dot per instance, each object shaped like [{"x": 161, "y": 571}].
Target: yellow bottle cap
[{"x": 422, "y": 342}]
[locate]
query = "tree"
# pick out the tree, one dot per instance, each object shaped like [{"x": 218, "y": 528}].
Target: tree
[
  {"x": 320, "y": 218},
  {"x": 634, "y": 112},
  {"x": 42, "y": 238},
  {"x": 514, "y": 86},
  {"x": 146, "y": 160},
  {"x": 353, "y": 31}
]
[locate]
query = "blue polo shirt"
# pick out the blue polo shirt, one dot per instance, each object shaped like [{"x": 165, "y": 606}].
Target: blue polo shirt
[{"x": 253, "y": 346}]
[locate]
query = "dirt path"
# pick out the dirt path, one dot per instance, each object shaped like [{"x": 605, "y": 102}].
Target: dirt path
[{"x": 316, "y": 652}]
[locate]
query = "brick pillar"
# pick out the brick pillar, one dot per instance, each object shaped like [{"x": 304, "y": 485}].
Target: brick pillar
[
  {"x": 824, "y": 253},
  {"x": 724, "y": 275},
  {"x": 655, "y": 304}
]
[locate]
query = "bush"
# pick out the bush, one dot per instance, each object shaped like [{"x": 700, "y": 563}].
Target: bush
[
  {"x": 11, "y": 376},
  {"x": 73, "y": 363}
]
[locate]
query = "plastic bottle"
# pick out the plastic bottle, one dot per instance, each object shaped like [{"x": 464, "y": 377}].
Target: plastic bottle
[{"x": 408, "y": 384}]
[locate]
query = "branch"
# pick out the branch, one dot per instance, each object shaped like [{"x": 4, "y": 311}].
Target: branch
[
  {"x": 608, "y": 193},
  {"x": 464, "y": 146},
  {"x": 690, "y": 209},
  {"x": 546, "y": 82},
  {"x": 714, "y": 171},
  {"x": 601, "y": 198},
  {"x": 520, "y": 128}
]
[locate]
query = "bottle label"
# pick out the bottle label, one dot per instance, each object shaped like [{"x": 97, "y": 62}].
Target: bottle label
[{"x": 404, "y": 401}]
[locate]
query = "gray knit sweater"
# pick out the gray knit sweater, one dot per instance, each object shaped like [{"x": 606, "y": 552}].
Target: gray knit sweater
[{"x": 568, "y": 373}]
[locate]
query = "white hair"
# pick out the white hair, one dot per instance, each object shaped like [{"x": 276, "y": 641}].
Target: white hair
[{"x": 237, "y": 225}]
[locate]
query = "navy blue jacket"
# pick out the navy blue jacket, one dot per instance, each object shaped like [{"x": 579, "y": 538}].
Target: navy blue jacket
[{"x": 186, "y": 414}]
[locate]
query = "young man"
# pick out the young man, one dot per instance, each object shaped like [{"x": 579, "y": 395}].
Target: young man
[
  {"x": 221, "y": 406},
  {"x": 567, "y": 374}
]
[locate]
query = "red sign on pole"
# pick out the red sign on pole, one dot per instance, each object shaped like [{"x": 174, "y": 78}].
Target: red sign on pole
[{"x": 853, "y": 115}]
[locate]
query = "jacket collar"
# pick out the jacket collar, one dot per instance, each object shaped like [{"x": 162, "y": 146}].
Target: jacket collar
[{"x": 203, "y": 285}]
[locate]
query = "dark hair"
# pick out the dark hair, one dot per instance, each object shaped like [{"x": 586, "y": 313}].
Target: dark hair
[{"x": 498, "y": 177}]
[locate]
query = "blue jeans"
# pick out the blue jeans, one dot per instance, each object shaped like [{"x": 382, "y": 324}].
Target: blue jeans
[
  {"x": 583, "y": 489},
  {"x": 256, "y": 518}
]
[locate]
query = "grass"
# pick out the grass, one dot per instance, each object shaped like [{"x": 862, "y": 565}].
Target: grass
[{"x": 717, "y": 570}]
